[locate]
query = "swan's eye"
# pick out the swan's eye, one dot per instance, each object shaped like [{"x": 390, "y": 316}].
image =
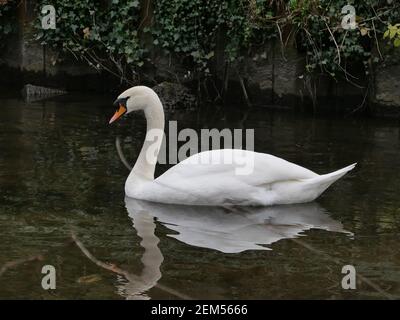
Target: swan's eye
[
  {"x": 120, "y": 101},
  {"x": 121, "y": 108}
]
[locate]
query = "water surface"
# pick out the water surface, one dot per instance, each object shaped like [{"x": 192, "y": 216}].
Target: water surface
[{"x": 60, "y": 174}]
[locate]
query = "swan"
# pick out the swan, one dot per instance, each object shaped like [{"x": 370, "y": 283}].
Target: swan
[{"x": 215, "y": 177}]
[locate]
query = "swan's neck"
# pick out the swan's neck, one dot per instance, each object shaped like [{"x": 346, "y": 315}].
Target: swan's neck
[{"x": 146, "y": 162}]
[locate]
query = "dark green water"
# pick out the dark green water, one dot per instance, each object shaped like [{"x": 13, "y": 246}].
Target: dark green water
[{"x": 59, "y": 172}]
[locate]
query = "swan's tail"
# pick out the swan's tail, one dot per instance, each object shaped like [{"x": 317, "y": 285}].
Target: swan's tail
[
  {"x": 333, "y": 176},
  {"x": 322, "y": 182}
]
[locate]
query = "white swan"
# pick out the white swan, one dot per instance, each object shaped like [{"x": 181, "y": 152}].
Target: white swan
[{"x": 214, "y": 177}]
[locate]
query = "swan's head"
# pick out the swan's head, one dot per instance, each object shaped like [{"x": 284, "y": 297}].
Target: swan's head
[{"x": 133, "y": 99}]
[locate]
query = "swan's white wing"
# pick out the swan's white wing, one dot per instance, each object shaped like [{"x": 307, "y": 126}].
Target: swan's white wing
[
  {"x": 251, "y": 167},
  {"x": 222, "y": 177}
]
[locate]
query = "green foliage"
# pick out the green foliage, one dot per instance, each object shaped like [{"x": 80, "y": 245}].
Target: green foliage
[
  {"x": 193, "y": 27},
  {"x": 332, "y": 49},
  {"x": 104, "y": 33},
  {"x": 188, "y": 27},
  {"x": 393, "y": 33}
]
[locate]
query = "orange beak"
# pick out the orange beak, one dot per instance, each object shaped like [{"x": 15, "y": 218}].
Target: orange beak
[{"x": 118, "y": 113}]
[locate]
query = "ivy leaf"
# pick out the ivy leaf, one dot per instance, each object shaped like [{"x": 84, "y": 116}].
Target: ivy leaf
[
  {"x": 386, "y": 34},
  {"x": 392, "y": 31},
  {"x": 209, "y": 55},
  {"x": 397, "y": 42},
  {"x": 86, "y": 33},
  {"x": 195, "y": 54},
  {"x": 364, "y": 31}
]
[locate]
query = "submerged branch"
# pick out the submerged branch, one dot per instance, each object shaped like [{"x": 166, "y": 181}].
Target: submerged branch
[
  {"x": 16, "y": 263},
  {"x": 127, "y": 275},
  {"x": 121, "y": 154}
]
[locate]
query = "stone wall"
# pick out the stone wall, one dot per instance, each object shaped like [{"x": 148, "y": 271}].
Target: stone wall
[
  {"x": 276, "y": 75},
  {"x": 25, "y": 61},
  {"x": 387, "y": 82}
]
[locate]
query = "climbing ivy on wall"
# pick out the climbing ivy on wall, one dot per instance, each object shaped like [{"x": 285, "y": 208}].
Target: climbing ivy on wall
[
  {"x": 332, "y": 49},
  {"x": 102, "y": 33},
  {"x": 190, "y": 27},
  {"x": 105, "y": 33},
  {"x": 393, "y": 34},
  {"x": 193, "y": 27}
]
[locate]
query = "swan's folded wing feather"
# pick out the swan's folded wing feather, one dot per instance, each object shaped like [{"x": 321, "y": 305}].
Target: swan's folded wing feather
[
  {"x": 219, "y": 179},
  {"x": 249, "y": 167}
]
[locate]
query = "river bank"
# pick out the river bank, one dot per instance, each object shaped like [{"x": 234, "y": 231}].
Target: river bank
[{"x": 273, "y": 73}]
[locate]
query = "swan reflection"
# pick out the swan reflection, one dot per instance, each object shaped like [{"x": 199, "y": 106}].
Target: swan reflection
[
  {"x": 135, "y": 286},
  {"x": 234, "y": 229},
  {"x": 226, "y": 229}
]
